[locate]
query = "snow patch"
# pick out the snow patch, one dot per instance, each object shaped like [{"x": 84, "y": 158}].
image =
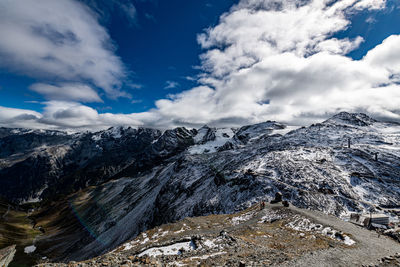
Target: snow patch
[
  {"x": 221, "y": 137},
  {"x": 128, "y": 246},
  {"x": 29, "y": 249},
  {"x": 96, "y": 137},
  {"x": 305, "y": 225},
  {"x": 174, "y": 249},
  {"x": 348, "y": 241},
  {"x": 210, "y": 243},
  {"x": 242, "y": 218},
  {"x": 270, "y": 217}
]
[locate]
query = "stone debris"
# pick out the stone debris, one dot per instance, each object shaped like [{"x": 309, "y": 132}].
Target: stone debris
[
  {"x": 388, "y": 261},
  {"x": 271, "y": 236}
]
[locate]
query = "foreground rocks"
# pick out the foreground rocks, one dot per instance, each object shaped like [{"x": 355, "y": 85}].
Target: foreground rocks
[
  {"x": 7, "y": 255},
  {"x": 272, "y": 236},
  {"x": 387, "y": 261}
]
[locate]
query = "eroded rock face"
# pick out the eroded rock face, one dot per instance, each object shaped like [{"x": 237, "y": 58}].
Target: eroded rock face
[{"x": 7, "y": 255}]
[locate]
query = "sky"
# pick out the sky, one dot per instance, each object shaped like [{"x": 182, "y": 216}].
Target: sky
[{"x": 91, "y": 64}]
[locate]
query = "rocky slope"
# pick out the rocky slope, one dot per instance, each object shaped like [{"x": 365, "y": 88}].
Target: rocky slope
[
  {"x": 136, "y": 179},
  {"x": 37, "y": 165},
  {"x": 274, "y": 236}
]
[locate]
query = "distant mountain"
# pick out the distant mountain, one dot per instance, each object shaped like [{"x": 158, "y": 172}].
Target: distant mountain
[
  {"x": 124, "y": 180},
  {"x": 46, "y": 164}
]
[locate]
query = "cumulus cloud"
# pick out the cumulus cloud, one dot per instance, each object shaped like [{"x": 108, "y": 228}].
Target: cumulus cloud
[
  {"x": 386, "y": 55},
  {"x": 279, "y": 60},
  {"x": 271, "y": 59},
  {"x": 59, "y": 40},
  {"x": 67, "y": 91}
]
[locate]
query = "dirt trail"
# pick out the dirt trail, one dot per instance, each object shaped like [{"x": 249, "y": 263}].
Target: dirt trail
[{"x": 368, "y": 250}]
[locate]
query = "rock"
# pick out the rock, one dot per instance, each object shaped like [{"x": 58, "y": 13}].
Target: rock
[
  {"x": 339, "y": 236},
  {"x": 278, "y": 198},
  {"x": 132, "y": 258},
  {"x": 7, "y": 255}
]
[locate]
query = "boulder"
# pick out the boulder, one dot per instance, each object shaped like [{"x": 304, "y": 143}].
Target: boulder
[{"x": 278, "y": 198}]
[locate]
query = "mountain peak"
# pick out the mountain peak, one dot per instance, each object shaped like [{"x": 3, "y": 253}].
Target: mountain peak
[{"x": 357, "y": 119}]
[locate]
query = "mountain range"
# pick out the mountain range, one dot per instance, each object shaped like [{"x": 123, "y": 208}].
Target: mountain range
[{"x": 91, "y": 192}]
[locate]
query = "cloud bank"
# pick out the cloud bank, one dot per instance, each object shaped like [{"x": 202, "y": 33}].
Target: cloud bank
[{"x": 268, "y": 60}]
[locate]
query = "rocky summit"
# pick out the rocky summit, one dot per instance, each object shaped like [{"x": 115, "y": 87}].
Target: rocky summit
[{"x": 86, "y": 194}]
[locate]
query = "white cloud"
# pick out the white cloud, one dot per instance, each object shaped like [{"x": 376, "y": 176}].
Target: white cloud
[
  {"x": 67, "y": 91},
  {"x": 150, "y": 17},
  {"x": 129, "y": 11},
  {"x": 136, "y": 101},
  {"x": 59, "y": 40},
  {"x": 73, "y": 115},
  {"x": 386, "y": 55},
  {"x": 370, "y": 4},
  {"x": 171, "y": 84},
  {"x": 12, "y": 117},
  {"x": 278, "y": 60}
]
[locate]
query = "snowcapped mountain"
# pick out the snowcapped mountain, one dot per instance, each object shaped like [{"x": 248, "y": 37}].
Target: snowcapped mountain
[{"x": 130, "y": 180}]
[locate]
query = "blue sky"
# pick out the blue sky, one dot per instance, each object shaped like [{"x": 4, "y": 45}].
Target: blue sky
[
  {"x": 158, "y": 47},
  {"x": 91, "y": 64}
]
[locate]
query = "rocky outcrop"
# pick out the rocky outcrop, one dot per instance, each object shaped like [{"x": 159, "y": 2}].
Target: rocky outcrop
[
  {"x": 7, "y": 255},
  {"x": 355, "y": 119}
]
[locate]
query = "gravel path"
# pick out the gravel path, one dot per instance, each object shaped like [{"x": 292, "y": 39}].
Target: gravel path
[{"x": 369, "y": 248}]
